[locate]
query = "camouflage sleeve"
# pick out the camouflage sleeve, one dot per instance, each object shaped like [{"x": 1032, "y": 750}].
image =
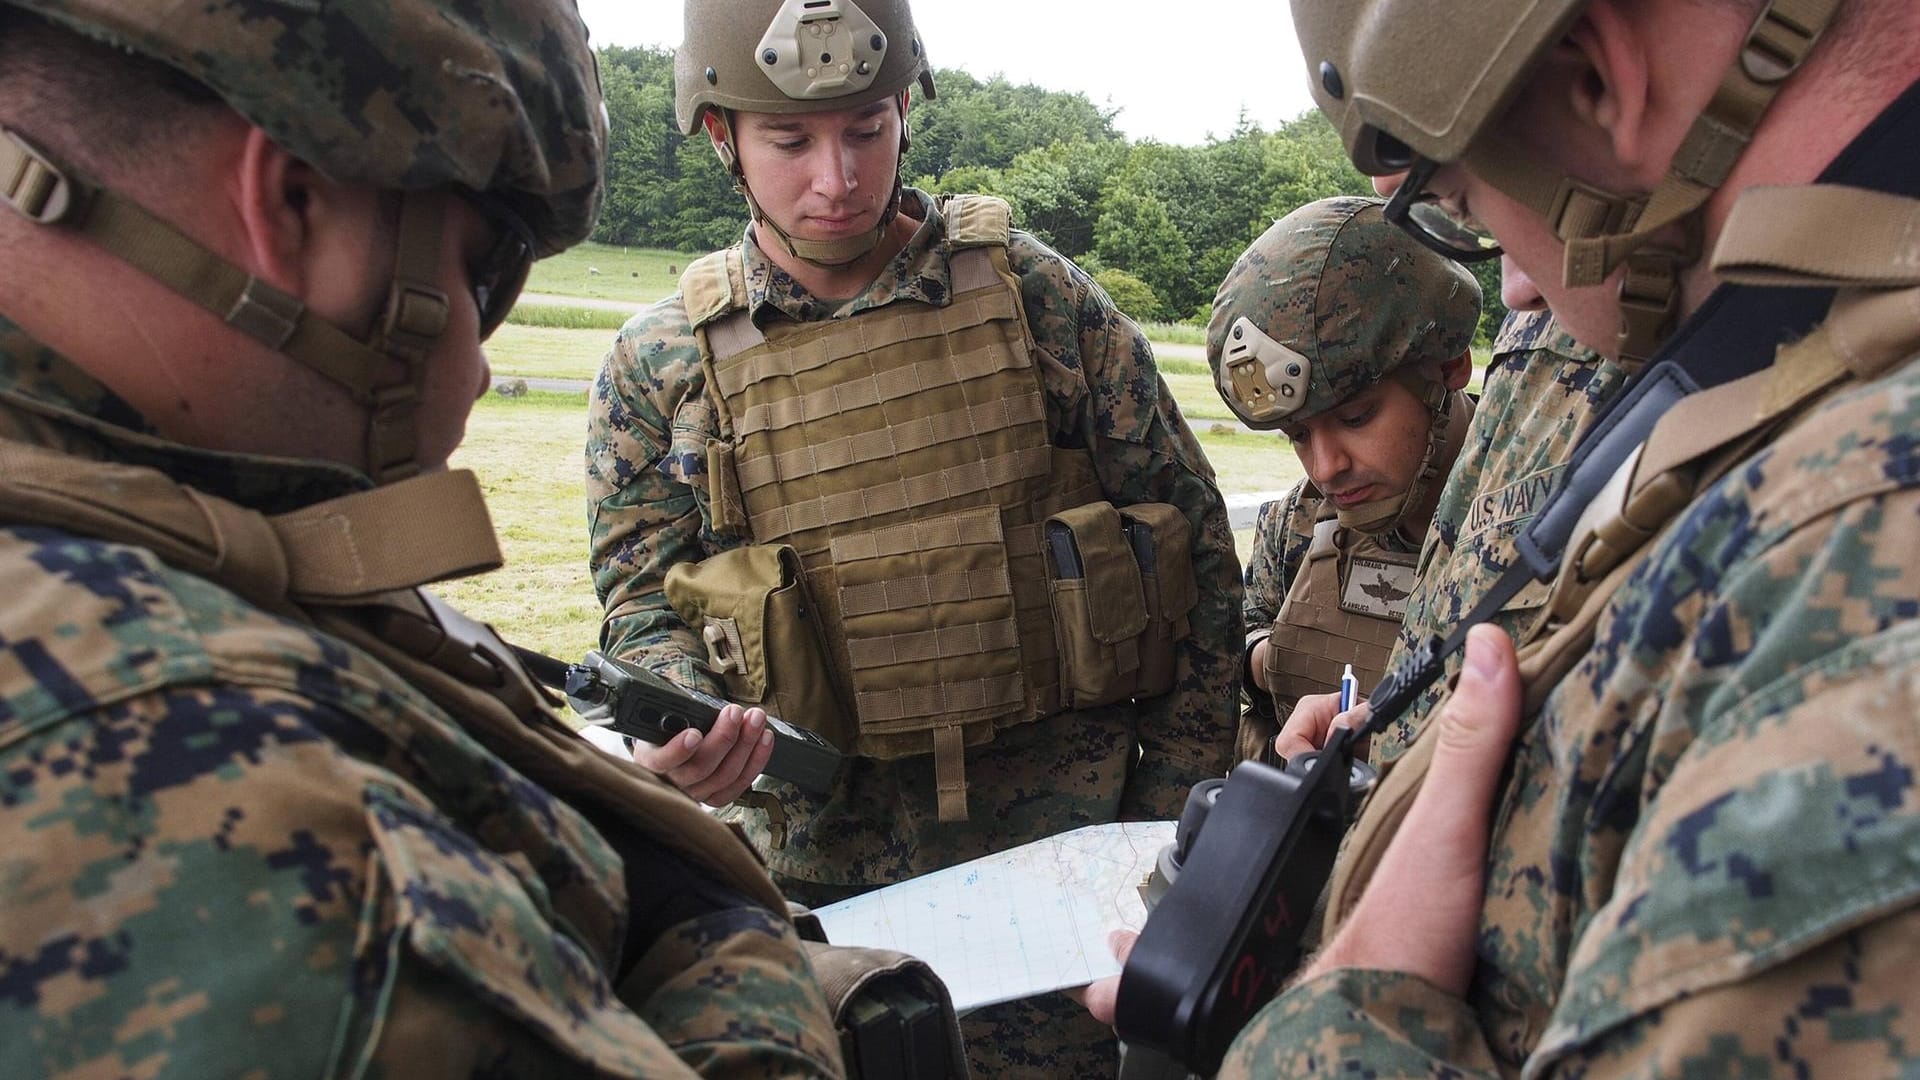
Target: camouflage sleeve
[
  {"x": 646, "y": 502},
  {"x": 1277, "y": 551},
  {"x": 1350, "y": 1022},
  {"x": 1724, "y": 945},
  {"x": 1107, "y": 395},
  {"x": 198, "y": 874},
  {"x": 1278, "y": 548},
  {"x": 1764, "y": 902},
  {"x": 1705, "y": 865},
  {"x": 738, "y": 993}
]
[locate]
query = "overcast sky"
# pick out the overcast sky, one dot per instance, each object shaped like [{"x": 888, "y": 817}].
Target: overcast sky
[{"x": 1176, "y": 72}]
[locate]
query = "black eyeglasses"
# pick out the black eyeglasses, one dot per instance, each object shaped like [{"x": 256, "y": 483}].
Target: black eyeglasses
[
  {"x": 1426, "y": 218},
  {"x": 498, "y": 274}
]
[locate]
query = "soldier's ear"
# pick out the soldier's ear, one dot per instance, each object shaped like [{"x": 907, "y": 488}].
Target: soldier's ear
[
  {"x": 271, "y": 199},
  {"x": 1458, "y": 371},
  {"x": 1611, "y": 84},
  {"x": 321, "y": 241}
]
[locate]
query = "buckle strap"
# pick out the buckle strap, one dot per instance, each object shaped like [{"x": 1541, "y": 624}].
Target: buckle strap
[
  {"x": 1780, "y": 39},
  {"x": 33, "y": 185}
]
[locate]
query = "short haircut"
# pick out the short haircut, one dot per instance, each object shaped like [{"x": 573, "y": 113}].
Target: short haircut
[{"x": 95, "y": 107}]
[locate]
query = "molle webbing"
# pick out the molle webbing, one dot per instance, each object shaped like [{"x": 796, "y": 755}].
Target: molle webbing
[
  {"x": 993, "y": 631},
  {"x": 892, "y": 442},
  {"x": 1315, "y": 634},
  {"x": 903, "y": 453}
]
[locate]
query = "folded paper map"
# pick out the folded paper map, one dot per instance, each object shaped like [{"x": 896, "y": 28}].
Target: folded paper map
[{"x": 1021, "y": 922}]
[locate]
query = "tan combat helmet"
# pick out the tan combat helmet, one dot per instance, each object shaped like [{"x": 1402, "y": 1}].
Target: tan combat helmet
[
  {"x": 1411, "y": 86},
  {"x": 1328, "y": 301},
  {"x": 797, "y": 56},
  {"x": 498, "y": 100}
]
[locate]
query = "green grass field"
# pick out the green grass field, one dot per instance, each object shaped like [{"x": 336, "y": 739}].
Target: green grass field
[
  {"x": 630, "y": 275},
  {"x": 565, "y": 317},
  {"x": 526, "y": 452},
  {"x": 546, "y": 352}
]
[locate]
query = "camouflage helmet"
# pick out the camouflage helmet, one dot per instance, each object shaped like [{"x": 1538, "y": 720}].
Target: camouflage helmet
[
  {"x": 1329, "y": 300},
  {"x": 794, "y": 56},
  {"x": 510, "y": 104},
  {"x": 500, "y": 98}
]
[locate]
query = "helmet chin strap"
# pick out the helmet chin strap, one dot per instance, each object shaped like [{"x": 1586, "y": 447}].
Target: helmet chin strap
[
  {"x": 1447, "y": 424},
  {"x": 1604, "y": 231},
  {"x": 827, "y": 254},
  {"x": 409, "y": 326}
]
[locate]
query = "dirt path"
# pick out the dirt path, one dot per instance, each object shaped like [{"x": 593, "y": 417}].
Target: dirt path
[{"x": 557, "y": 300}]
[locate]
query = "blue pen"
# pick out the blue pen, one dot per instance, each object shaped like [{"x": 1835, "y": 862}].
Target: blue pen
[{"x": 1349, "y": 688}]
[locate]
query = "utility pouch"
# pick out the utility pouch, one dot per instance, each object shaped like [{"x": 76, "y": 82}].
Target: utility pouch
[
  {"x": 1162, "y": 544},
  {"x": 726, "y": 505},
  {"x": 1099, "y": 604},
  {"x": 895, "y": 1016},
  {"x": 750, "y": 606}
]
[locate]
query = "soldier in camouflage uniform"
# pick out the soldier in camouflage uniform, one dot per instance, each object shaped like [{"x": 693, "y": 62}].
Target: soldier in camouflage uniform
[
  {"x": 1694, "y": 856},
  {"x": 1539, "y": 390},
  {"x": 266, "y": 808},
  {"x": 847, "y": 472},
  {"x": 1337, "y": 328}
]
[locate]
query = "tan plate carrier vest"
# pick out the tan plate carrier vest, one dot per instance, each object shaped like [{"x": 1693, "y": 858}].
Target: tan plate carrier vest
[
  {"x": 1344, "y": 607},
  {"x": 903, "y": 457},
  {"x": 1815, "y": 236}
]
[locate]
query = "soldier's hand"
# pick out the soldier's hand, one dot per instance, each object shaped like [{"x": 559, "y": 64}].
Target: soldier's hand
[
  {"x": 717, "y": 766},
  {"x": 1101, "y": 995},
  {"x": 1312, "y": 720},
  {"x": 1420, "y": 913},
  {"x": 1257, "y": 664}
]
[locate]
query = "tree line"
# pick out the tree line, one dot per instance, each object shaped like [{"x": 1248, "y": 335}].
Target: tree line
[{"x": 1157, "y": 225}]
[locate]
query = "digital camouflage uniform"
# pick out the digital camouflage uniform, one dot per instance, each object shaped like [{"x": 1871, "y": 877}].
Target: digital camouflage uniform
[
  {"x": 1539, "y": 390},
  {"x": 1324, "y": 305},
  {"x": 235, "y": 845},
  {"x": 649, "y": 425},
  {"x": 1703, "y": 861}
]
